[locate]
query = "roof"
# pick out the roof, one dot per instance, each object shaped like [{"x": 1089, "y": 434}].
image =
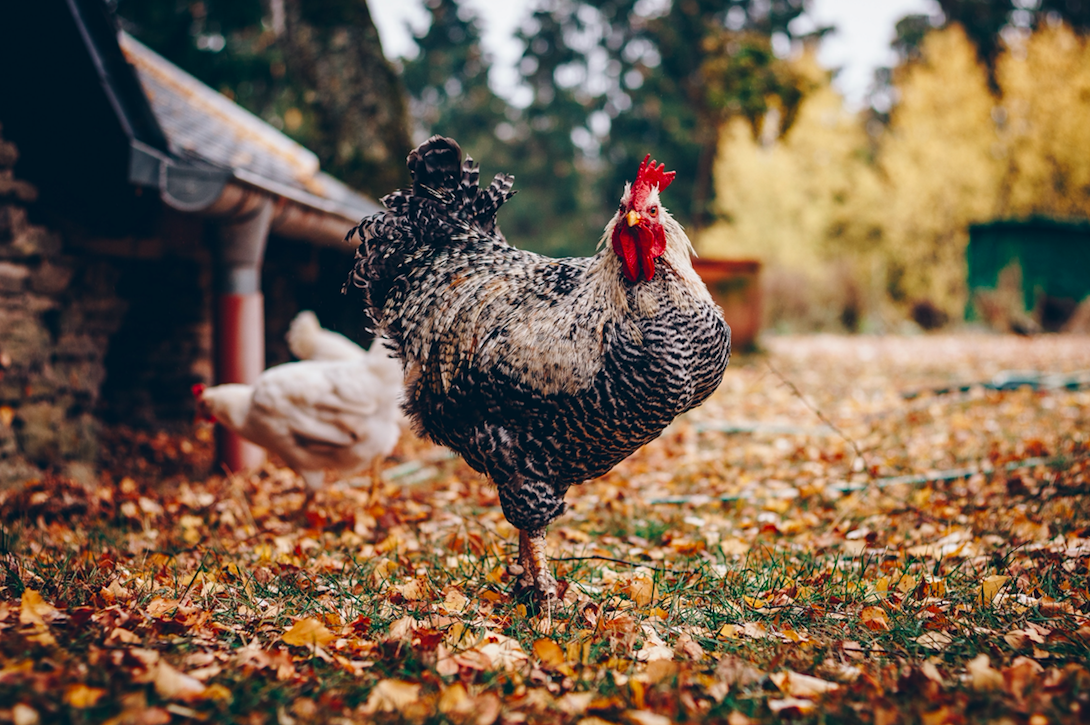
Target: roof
[{"x": 203, "y": 125}]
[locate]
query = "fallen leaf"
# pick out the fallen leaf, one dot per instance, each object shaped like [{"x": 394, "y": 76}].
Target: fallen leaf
[
  {"x": 934, "y": 640},
  {"x": 35, "y": 610},
  {"x": 799, "y": 685},
  {"x": 645, "y": 717},
  {"x": 308, "y": 633},
  {"x": 991, "y": 586},
  {"x": 982, "y": 676},
  {"x": 172, "y": 684},
  {"x": 548, "y": 652},
  {"x": 1020, "y": 675},
  {"x": 81, "y": 697},
  {"x": 391, "y": 696},
  {"x": 875, "y": 618},
  {"x": 791, "y": 707},
  {"x": 23, "y": 714},
  {"x": 455, "y": 602}
]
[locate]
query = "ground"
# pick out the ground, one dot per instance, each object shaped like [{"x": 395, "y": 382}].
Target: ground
[{"x": 761, "y": 562}]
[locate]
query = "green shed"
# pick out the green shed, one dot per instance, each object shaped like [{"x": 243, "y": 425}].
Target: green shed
[{"x": 1052, "y": 256}]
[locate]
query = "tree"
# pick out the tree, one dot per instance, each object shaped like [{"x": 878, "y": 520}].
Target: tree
[
  {"x": 1045, "y": 126},
  {"x": 940, "y": 162},
  {"x": 986, "y": 21},
  {"x": 666, "y": 84},
  {"x": 314, "y": 69}
]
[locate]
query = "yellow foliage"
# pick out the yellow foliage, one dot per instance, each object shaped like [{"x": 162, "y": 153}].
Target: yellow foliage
[
  {"x": 780, "y": 197},
  {"x": 942, "y": 169},
  {"x": 895, "y": 216},
  {"x": 1046, "y": 124}
]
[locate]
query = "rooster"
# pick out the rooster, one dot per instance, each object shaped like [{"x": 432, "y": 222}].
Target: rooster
[
  {"x": 339, "y": 410},
  {"x": 542, "y": 373}
]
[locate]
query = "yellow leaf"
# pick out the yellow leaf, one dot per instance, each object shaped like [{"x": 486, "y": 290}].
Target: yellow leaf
[
  {"x": 80, "y": 696},
  {"x": 990, "y": 587},
  {"x": 548, "y": 652},
  {"x": 36, "y": 610},
  {"x": 308, "y": 632},
  {"x": 906, "y": 584},
  {"x": 455, "y": 699},
  {"x": 728, "y": 631},
  {"x": 875, "y": 618},
  {"x": 391, "y": 696}
]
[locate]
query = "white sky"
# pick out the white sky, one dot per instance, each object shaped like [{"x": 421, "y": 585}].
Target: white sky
[{"x": 861, "y": 43}]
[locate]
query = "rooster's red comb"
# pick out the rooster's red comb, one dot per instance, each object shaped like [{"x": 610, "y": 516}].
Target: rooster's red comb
[
  {"x": 651, "y": 174},
  {"x": 198, "y": 389}
]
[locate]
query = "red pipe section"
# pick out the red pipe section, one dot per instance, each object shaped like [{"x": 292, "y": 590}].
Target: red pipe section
[
  {"x": 240, "y": 314},
  {"x": 240, "y": 358}
]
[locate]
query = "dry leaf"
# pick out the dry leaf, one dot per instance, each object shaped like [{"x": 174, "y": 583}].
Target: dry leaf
[
  {"x": 391, "y": 696},
  {"x": 875, "y": 618},
  {"x": 81, "y": 696},
  {"x": 799, "y": 685},
  {"x": 645, "y": 717},
  {"x": 991, "y": 586},
  {"x": 1020, "y": 675},
  {"x": 548, "y": 652},
  {"x": 455, "y": 602},
  {"x": 23, "y": 714},
  {"x": 35, "y": 610},
  {"x": 171, "y": 684},
  {"x": 791, "y": 706},
  {"x": 982, "y": 676},
  {"x": 308, "y": 633},
  {"x": 934, "y": 640}
]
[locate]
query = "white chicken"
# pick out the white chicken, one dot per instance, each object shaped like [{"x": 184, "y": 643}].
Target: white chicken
[
  {"x": 308, "y": 340},
  {"x": 339, "y": 410}
]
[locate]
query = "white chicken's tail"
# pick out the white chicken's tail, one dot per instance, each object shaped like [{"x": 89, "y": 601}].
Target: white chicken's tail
[{"x": 308, "y": 340}]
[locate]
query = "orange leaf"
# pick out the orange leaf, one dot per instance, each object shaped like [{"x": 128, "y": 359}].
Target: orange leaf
[
  {"x": 308, "y": 632},
  {"x": 549, "y": 652},
  {"x": 875, "y": 618}
]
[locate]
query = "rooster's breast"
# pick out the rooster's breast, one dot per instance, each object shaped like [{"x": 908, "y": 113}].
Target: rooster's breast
[{"x": 509, "y": 423}]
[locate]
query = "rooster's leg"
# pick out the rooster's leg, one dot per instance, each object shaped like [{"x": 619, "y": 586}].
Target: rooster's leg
[
  {"x": 533, "y": 565},
  {"x": 376, "y": 481}
]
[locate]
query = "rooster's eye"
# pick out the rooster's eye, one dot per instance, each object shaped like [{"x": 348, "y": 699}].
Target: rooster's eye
[{"x": 653, "y": 211}]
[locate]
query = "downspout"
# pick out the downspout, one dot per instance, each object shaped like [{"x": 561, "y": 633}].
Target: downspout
[{"x": 240, "y": 312}]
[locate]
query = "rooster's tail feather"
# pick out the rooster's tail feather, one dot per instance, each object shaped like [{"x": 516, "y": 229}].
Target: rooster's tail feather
[{"x": 445, "y": 205}]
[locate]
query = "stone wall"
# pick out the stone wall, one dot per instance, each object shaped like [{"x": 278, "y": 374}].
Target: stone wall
[{"x": 56, "y": 318}]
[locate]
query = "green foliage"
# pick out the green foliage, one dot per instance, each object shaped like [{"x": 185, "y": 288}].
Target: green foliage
[{"x": 312, "y": 69}]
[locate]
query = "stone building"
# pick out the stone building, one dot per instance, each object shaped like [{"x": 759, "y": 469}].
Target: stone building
[{"x": 152, "y": 235}]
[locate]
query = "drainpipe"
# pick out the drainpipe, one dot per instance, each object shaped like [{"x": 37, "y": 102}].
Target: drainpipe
[{"x": 240, "y": 312}]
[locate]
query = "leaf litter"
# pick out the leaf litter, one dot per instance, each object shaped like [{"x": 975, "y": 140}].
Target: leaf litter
[{"x": 794, "y": 550}]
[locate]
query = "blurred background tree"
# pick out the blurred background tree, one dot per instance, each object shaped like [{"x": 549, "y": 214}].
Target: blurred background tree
[
  {"x": 312, "y": 68},
  {"x": 982, "y": 117}
]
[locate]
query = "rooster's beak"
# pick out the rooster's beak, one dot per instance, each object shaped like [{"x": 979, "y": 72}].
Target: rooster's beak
[{"x": 633, "y": 218}]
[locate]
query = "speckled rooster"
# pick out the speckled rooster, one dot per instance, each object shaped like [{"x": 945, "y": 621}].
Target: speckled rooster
[{"x": 540, "y": 372}]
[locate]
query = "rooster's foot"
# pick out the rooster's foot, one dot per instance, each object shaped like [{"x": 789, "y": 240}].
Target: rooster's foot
[{"x": 532, "y": 569}]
